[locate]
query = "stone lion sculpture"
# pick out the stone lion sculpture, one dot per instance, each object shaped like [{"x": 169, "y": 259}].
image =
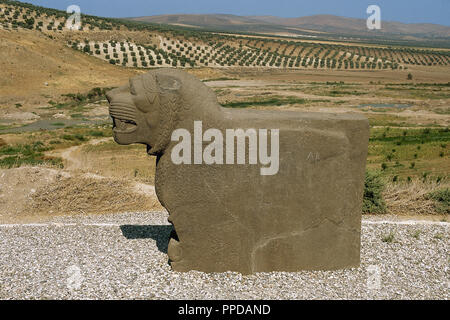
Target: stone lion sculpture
[{"x": 304, "y": 212}]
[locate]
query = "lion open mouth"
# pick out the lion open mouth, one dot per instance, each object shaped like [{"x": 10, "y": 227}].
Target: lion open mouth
[
  {"x": 124, "y": 126},
  {"x": 124, "y": 118}
]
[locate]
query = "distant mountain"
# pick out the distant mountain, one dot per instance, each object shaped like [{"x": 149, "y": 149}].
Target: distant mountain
[
  {"x": 317, "y": 25},
  {"x": 332, "y": 24},
  {"x": 218, "y": 22},
  {"x": 203, "y": 20}
]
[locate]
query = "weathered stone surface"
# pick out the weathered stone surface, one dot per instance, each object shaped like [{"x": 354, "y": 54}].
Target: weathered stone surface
[{"x": 230, "y": 217}]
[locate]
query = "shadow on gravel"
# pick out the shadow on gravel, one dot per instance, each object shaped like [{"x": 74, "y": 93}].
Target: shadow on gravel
[{"x": 160, "y": 234}]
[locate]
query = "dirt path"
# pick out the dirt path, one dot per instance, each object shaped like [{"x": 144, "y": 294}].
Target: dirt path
[
  {"x": 73, "y": 157},
  {"x": 75, "y": 160},
  {"x": 71, "y": 161}
]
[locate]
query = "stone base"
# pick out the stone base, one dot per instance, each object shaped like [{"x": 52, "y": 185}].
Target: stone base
[{"x": 306, "y": 217}]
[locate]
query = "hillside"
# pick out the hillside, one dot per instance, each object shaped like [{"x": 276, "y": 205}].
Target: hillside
[
  {"x": 35, "y": 66},
  {"x": 141, "y": 45},
  {"x": 335, "y": 24},
  {"x": 41, "y": 54},
  {"x": 317, "y": 25},
  {"x": 200, "y": 20}
]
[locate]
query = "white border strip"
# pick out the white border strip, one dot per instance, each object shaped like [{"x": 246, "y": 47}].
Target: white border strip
[
  {"x": 109, "y": 225},
  {"x": 408, "y": 222},
  {"x": 57, "y": 224}
]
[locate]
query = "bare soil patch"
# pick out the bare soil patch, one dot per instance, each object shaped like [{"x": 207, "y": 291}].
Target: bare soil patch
[
  {"x": 32, "y": 193},
  {"x": 34, "y": 69}
]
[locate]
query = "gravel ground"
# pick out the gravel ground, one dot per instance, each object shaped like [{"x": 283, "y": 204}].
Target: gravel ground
[{"x": 123, "y": 257}]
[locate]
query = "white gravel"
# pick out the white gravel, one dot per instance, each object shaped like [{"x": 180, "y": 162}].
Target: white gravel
[{"x": 122, "y": 257}]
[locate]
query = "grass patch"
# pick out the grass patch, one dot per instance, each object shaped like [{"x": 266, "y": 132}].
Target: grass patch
[
  {"x": 3, "y": 127},
  {"x": 342, "y": 93},
  {"x": 26, "y": 154},
  {"x": 439, "y": 236},
  {"x": 414, "y": 92},
  {"x": 416, "y": 234},
  {"x": 219, "y": 79},
  {"x": 76, "y": 102},
  {"x": 272, "y": 101},
  {"x": 442, "y": 111},
  {"x": 411, "y": 152},
  {"x": 98, "y": 134},
  {"x": 93, "y": 95},
  {"x": 442, "y": 200},
  {"x": 414, "y": 136},
  {"x": 76, "y": 115},
  {"x": 389, "y": 238},
  {"x": 373, "y": 201},
  {"x": 74, "y": 137}
]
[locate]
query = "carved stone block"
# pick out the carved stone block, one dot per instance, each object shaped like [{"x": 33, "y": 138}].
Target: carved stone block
[{"x": 247, "y": 215}]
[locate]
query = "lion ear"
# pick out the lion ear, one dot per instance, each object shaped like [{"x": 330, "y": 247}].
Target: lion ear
[{"x": 166, "y": 82}]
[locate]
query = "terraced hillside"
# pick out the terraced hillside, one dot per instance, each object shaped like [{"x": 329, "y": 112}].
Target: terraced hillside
[
  {"x": 142, "y": 45},
  {"x": 230, "y": 51}
]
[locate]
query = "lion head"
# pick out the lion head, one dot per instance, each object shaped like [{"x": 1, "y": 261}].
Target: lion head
[{"x": 150, "y": 107}]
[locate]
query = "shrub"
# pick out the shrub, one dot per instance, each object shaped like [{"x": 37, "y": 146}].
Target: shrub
[
  {"x": 96, "y": 133},
  {"x": 442, "y": 200},
  {"x": 388, "y": 238},
  {"x": 373, "y": 188},
  {"x": 74, "y": 137}
]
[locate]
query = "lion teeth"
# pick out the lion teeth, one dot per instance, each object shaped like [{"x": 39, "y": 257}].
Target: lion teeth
[{"x": 124, "y": 125}]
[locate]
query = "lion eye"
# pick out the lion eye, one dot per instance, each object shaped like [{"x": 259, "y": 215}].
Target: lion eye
[{"x": 132, "y": 89}]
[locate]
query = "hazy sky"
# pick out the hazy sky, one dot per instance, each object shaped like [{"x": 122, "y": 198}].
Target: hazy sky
[{"x": 409, "y": 11}]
